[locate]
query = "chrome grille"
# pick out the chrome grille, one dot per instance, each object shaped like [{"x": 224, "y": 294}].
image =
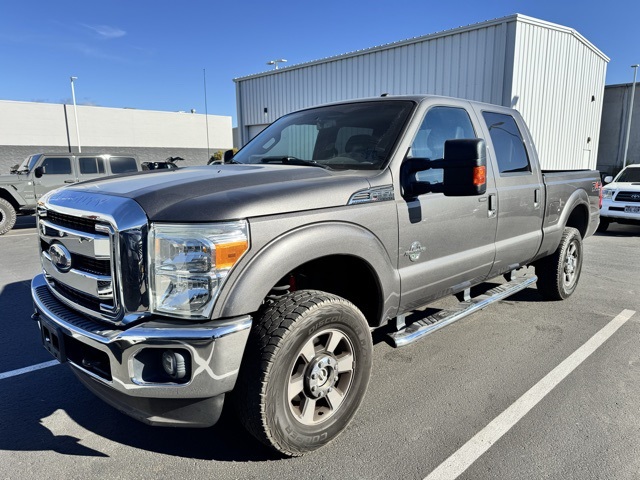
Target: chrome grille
[
  {"x": 628, "y": 197},
  {"x": 85, "y": 280},
  {"x": 93, "y": 249}
]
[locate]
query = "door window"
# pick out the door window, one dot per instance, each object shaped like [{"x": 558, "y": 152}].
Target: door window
[
  {"x": 56, "y": 166},
  {"x": 439, "y": 125},
  {"x": 91, "y": 165},
  {"x": 509, "y": 148}
]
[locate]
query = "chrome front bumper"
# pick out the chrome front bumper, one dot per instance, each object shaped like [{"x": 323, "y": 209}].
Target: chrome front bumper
[{"x": 114, "y": 363}]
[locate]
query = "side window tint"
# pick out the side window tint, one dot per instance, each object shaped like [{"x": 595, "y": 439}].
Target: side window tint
[
  {"x": 439, "y": 125},
  {"x": 57, "y": 166},
  {"x": 91, "y": 165},
  {"x": 123, "y": 165},
  {"x": 510, "y": 151}
]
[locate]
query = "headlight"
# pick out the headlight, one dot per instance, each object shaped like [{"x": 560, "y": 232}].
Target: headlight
[
  {"x": 189, "y": 264},
  {"x": 607, "y": 193}
]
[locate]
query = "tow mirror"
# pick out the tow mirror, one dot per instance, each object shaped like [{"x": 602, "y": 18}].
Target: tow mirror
[
  {"x": 464, "y": 168},
  {"x": 38, "y": 172}
]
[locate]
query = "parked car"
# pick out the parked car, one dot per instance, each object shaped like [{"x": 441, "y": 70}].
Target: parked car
[
  {"x": 621, "y": 198},
  {"x": 263, "y": 278},
  {"x": 43, "y": 172},
  {"x": 168, "y": 164}
]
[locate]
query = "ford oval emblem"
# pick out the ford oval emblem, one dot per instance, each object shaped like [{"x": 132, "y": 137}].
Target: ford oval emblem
[{"x": 60, "y": 257}]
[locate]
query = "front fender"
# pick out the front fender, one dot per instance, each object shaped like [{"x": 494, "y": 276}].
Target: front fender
[
  {"x": 12, "y": 196},
  {"x": 247, "y": 289}
]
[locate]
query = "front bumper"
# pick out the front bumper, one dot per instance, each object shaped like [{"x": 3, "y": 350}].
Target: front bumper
[
  {"x": 615, "y": 211},
  {"x": 124, "y": 366}
]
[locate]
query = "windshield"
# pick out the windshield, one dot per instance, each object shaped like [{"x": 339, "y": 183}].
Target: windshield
[
  {"x": 629, "y": 175},
  {"x": 357, "y": 136},
  {"x": 28, "y": 163}
]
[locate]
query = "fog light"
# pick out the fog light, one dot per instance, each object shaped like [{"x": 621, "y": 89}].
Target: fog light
[{"x": 174, "y": 364}]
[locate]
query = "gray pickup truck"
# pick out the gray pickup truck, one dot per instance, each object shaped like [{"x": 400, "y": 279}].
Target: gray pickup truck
[
  {"x": 43, "y": 172},
  {"x": 262, "y": 279}
]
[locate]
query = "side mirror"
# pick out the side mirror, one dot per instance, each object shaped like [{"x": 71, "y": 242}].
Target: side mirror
[
  {"x": 38, "y": 172},
  {"x": 607, "y": 179},
  {"x": 464, "y": 169},
  {"x": 228, "y": 155}
]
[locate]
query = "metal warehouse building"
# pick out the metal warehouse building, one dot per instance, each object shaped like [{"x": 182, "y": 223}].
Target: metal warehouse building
[{"x": 550, "y": 73}]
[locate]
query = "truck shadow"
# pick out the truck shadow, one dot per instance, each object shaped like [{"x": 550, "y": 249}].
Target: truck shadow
[
  {"x": 48, "y": 409},
  {"x": 619, "y": 230},
  {"x": 25, "y": 221}
]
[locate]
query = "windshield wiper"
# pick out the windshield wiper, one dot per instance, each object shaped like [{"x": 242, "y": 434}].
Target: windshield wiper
[{"x": 286, "y": 160}]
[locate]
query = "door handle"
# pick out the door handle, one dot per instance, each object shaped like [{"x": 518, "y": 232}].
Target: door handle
[
  {"x": 536, "y": 198},
  {"x": 493, "y": 206},
  {"x": 70, "y": 181}
]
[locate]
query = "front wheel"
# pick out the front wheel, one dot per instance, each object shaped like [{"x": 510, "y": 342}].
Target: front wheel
[
  {"x": 603, "y": 225},
  {"x": 307, "y": 367},
  {"x": 7, "y": 216},
  {"x": 558, "y": 274}
]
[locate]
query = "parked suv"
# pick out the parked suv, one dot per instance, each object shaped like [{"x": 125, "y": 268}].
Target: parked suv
[
  {"x": 43, "y": 172},
  {"x": 621, "y": 198}
]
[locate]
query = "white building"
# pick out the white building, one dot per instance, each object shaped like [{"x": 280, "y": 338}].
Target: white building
[
  {"x": 28, "y": 127},
  {"x": 550, "y": 73}
]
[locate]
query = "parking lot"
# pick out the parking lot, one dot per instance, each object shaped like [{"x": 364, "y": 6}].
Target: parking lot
[{"x": 524, "y": 389}]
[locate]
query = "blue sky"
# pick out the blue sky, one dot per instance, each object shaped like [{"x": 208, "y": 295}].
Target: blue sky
[{"x": 151, "y": 55}]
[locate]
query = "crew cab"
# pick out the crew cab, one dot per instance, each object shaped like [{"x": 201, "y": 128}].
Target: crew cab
[
  {"x": 43, "y": 172},
  {"x": 261, "y": 280},
  {"x": 621, "y": 198}
]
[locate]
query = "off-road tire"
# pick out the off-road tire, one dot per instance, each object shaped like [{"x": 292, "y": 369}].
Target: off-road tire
[
  {"x": 604, "y": 224},
  {"x": 7, "y": 216},
  {"x": 558, "y": 274},
  {"x": 276, "y": 366}
]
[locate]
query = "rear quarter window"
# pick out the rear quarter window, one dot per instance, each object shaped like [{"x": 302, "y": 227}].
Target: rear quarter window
[{"x": 123, "y": 165}]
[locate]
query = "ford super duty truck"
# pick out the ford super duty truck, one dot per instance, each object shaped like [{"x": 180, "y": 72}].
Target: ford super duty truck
[{"x": 258, "y": 282}]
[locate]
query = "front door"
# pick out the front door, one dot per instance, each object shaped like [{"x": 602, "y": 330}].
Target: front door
[
  {"x": 446, "y": 243},
  {"x": 56, "y": 172}
]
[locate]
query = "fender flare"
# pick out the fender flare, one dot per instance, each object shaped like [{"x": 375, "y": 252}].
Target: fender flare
[
  {"x": 16, "y": 200},
  {"x": 553, "y": 233},
  {"x": 246, "y": 288}
]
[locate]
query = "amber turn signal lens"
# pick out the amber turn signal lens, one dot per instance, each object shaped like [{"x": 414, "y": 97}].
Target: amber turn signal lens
[
  {"x": 227, "y": 254},
  {"x": 479, "y": 176}
]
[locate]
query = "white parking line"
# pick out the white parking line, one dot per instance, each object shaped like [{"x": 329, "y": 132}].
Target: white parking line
[
  {"x": 32, "y": 368},
  {"x": 18, "y": 235},
  {"x": 462, "y": 459}
]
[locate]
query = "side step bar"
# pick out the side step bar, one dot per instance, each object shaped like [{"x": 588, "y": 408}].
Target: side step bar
[{"x": 430, "y": 324}]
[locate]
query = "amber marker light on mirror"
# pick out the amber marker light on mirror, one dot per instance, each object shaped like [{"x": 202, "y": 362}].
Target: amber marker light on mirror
[{"x": 479, "y": 175}]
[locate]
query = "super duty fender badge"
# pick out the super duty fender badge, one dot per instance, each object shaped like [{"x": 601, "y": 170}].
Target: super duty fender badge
[{"x": 414, "y": 252}]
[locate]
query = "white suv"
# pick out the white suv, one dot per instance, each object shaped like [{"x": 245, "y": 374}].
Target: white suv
[{"x": 621, "y": 198}]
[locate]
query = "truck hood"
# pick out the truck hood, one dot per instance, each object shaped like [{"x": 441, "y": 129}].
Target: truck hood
[
  {"x": 12, "y": 178},
  {"x": 225, "y": 192},
  {"x": 630, "y": 186}
]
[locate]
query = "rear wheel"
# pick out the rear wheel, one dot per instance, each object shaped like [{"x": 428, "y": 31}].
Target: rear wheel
[
  {"x": 7, "y": 216},
  {"x": 558, "y": 274},
  {"x": 306, "y": 370}
]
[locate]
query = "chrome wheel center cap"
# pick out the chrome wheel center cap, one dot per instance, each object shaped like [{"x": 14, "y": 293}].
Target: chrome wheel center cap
[{"x": 321, "y": 376}]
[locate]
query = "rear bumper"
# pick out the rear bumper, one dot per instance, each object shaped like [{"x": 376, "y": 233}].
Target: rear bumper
[{"x": 124, "y": 367}]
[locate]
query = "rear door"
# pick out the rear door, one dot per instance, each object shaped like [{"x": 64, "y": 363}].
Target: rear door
[
  {"x": 446, "y": 243},
  {"x": 90, "y": 167},
  {"x": 520, "y": 193}
]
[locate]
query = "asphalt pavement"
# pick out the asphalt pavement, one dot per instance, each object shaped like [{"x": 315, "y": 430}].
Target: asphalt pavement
[{"x": 525, "y": 389}]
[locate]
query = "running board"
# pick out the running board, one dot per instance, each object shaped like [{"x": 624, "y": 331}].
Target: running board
[{"x": 430, "y": 324}]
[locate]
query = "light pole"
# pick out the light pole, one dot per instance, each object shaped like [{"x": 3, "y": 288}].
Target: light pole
[
  {"x": 75, "y": 112},
  {"x": 276, "y": 62},
  {"x": 626, "y": 138}
]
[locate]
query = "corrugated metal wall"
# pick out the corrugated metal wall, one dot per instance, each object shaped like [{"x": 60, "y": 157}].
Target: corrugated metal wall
[
  {"x": 467, "y": 62},
  {"x": 558, "y": 86},
  {"x": 547, "y": 72}
]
